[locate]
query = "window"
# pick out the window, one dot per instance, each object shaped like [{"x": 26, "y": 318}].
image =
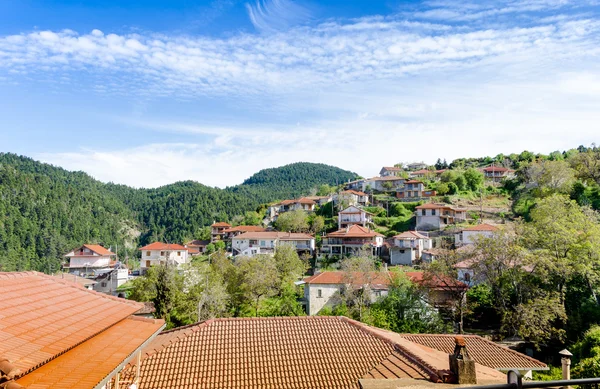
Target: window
[
  {"x": 147, "y": 263},
  {"x": 423, "y": 212},
  {"x": 103, "y": 284},
  {"x": 319, "y": 293},
  {"x": 377, "y": 293},
  {"x": 262, "y": 243},
  {"x": 147, "y": 253},
  {"x": 179, "y": 253},
  {"x": 433, "y": 212},
  {"x": 162, "y": 253},
  {"x": 467, "y": 277}
]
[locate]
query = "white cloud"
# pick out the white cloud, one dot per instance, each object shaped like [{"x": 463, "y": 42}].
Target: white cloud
[{"x": 274, "y": 15}]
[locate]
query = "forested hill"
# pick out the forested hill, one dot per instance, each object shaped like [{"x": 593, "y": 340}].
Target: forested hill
[{"x": 45, "y": 211}]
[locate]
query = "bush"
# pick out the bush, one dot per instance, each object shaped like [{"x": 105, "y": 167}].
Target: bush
[
  {"x": 452, "y": 188},
  {"x": 398, "y": 209},
  {"x": 442, "y": 188},
  {"x": 376, "y": 211}
]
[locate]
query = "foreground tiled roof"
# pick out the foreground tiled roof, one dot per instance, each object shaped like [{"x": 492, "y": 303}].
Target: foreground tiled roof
[
  {"x": 163, "y": 246},
  {"x": 42, "y": 316},
  {"x": 295, "y": 352},
  {"x": 86, "y": 365},
  {"x": 483, "y": 351},
  {"x": 354, "y": 231},
  {"x": 274, "y": 235}
]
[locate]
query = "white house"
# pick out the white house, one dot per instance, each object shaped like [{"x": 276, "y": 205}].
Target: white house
[
  {"x": 408, "y": 248},
  {"x": 471, "y": 234},
  {"x": 390, "y": 171},
  {"x": 354, "y": 215},
  {"x": 413, "y": 190},
  {"x": 320, "y": 200},
  {"x": 351, "y": 197},
  {"x": 302, "y": 204},
  {"x": 254, "y": 243},
  {"x": 434, "y": 216},
  {"x": 89, "y": 260},
  {"x": 216, "y": 230},
  {"x": 350, "y": 240},
  {"x": 108, "y": 281},
  {"x": 324, "y": 288},
  {"x": 416, "y": 166},
  {"x": 161, "y": 253}
]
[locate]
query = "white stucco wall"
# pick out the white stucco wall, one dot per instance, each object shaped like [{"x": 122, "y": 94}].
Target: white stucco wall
[
  {"x": 175, "y": 256},
  {"x": 328, "y": 291},
  {"x": 80, "y": 261}
]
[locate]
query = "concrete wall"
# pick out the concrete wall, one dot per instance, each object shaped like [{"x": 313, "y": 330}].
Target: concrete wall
[
  {"x": 155, "y": 258},
  {"x": 328, "y": 292}
]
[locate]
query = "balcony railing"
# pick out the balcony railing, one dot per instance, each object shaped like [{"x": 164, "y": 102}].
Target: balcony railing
[{"x": 515, "y": 381}]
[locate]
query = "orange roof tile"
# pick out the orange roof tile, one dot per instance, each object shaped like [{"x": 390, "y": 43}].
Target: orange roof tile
[
  {"x": 277, "y": 352},
  {"x": 274, "y": 235},
  {"x": 88, "y": 364},
  {"x": 98, "y": 249},
  {"x": 42, "y": 316},
  {"x": 410, "y": 235},
  {"x": 482, "y": 227},
  {"x": 245, "y": 229},
  {"x": 163, "y": 246},
  {"x": 220, "y": 224},
  {"x": 354, "y": 192},
  {"x": 483, "y": 351},
  {"x": 354, "y": 231}
]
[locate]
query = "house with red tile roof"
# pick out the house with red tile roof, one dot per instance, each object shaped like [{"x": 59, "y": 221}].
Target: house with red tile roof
[
  {"x": 266, "y": 242},
  {"x": 433, "y": 175},
  {"x": 470, "y": 235},
  {"x": 54, "y": 333},
  {"x": 497, "y": 173},
  {"x": 216, "y": 230},
  {"x": 302, "y": 352},
  {"x": 159, "y": 253},
  {"x": 351, "y": 197},
  {"x": 350, "y": 240},
  {"x": 232, "y": 232},
  {"x": 390, "y": 171},
  {"x": 408, "y": 247},
  {"x": 414, "y": 190},
  {"x": 89, "y": 260},
  {"x": 354, "y": 215},
  {"x": 435, "y": 216},
  {"x": 196, "y": 246},
  {"x": 302, "y": 204}
]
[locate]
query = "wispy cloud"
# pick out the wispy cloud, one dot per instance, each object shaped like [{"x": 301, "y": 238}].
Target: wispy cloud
[{"x": 276, "y": 15}]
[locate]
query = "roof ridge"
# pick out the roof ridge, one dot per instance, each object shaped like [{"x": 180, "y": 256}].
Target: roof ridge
[{"x": 429, "y": 369}]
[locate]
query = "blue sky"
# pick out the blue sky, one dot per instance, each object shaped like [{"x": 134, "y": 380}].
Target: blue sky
[{"x": 147, "y": 93}]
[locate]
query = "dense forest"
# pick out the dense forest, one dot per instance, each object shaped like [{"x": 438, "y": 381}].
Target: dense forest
[{"x": 45, "y": 211}]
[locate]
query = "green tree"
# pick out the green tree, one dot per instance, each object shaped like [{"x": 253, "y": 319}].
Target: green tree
[
  {"x": 252, "y": 218},
  {"x": 260, "y": 278},
  {"x": 474, "y": 179},
  {"x": 292, "y": 221}
]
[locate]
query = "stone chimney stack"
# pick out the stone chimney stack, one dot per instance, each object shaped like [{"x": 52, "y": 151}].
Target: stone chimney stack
[{"x": 461, "y": 364}]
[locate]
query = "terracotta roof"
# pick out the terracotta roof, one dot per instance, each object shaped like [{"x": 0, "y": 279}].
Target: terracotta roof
[
  {"x": 197, "y": 242},
  {"x": 354, "y": 192},
  {"x": 96, "y": 248},
  {"x": 481, "y": 227},
  {"x": 439, "y": 206},
  {"x": 274, "y": 235},
  {"x": 391, "y": 168},
  {"x": 245, "y": 229},
  {"x": 43, "y": 316},
  {"x": 358, "y": 210},
  {"x": 410, "y": 235},
  {"x": 163, "y": 246},
  {"x": 220, "y": 224},
  {"x": 74, "y": 278},
  {"x": 483, "y": 351},
  {"x": 354, "y": 231},
  {"x": 279, "y": 352},
  {"x": 302, "y": 200},
  {"x": 86, "y": 365}
]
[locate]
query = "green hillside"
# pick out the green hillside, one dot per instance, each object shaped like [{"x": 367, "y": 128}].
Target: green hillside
[{"x": 46, "y": 210}]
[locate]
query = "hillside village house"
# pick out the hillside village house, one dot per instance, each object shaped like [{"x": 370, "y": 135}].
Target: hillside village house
[
  {"x": 54, "y": 333},
  {"x": 497, "y": 173},
  {"x": 354, "y": 215},
  {"x": 90, "y": 260},
  {"x": 163, "y": 253},
  {"x": 216, "y": 230},
  {"x": 408, "y": 248},
  {"x": 390, "y": 171},
  {"x": 313, "y": 352},
  {"x": 350, "y": 240},
  {"x": 301, "y": 204},
  {"x": 470, "y": 235},
  {"x": 416, "y": 166},
  {"x": 196, "y": 247},
  {"x": 413, "y": 189},
  {"x": 433, "y": 175},
  {"x": 324, "y": 289},
  {"x": 434, "y": 216},
  {"x": 254, "y": 243},
  {"x": 351, "y": 197},
  {"x": 320, "y": 200},
  {"x": 232, "y": 232}
]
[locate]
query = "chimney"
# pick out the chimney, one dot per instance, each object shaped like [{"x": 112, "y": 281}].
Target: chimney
[
  {"x": 565, "y": 359},
  {"x": 461, "y": 364}
]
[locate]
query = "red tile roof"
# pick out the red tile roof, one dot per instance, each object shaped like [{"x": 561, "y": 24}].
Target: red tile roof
[
  {"x": 354, "y": 231},
  {"x": 220, "y": 224},
  {"x": 163, "y": 246},
  {"x": 86, "y": 365},
  {"x": 277, "y": 352},
  {"x": 410, "y": 235},
  {"x": 483, "y": 351},
  {"x": 274, "y": 235},
  {"x": 354, "y": 192},
  {"x": 245, "y": 229},
  {"x": 439, "y": 206},
  {"x": 98, "y": 249},
  {"x": 391, "y": 168},
  {"x": 481, "y": 227}
]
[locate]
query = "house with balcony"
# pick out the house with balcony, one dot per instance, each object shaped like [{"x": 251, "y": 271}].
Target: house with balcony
[
  {"x": 196, "y": 246},
  {"x": 320, "y": 200},
  {"x": 351, "y": 197},
  {"x": 414, "y": 190},
  {"x": 159, "y": 253},
  {"x": 90, "y": 260},
  {"x": 408, "y": 248},
  {"x": 266, "y": 242},
  {"x": 497, "y": 173},
  {"x": 354, "y": 215},
  {"x": 232, "y": 232},
  {"x": 390, "y": 171},
  {"x": 301, "y": 204},
  {"x": 216, "y": 230},
  {"x": 433, "y": 175},
  {"x": 470, "y": 235},
  {"x": 350, "y": 240},
  {"x": 434, "y": 216}
]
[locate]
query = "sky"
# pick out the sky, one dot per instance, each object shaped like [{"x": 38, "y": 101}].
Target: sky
[{"x": 147, "y": 92}]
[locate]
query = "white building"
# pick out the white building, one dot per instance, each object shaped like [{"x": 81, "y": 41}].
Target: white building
[
  {"x": 162, "y": 253},
  {"x": 408, "y": 248},
  {"x": 434, "y": 216},
  {"x": 216, "y": 230},
  {"x": 351, "y": 197},
  {"x": 301, "y": 204},
  {"x": 90, "y": 260},
  {"x": 254, "y": 243},
  {"x": 471, "y": 234},
  {"x": 350, "y": 240},
  {"x": 354, "y": 215},
  {"x": 390, "y": 171}
]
